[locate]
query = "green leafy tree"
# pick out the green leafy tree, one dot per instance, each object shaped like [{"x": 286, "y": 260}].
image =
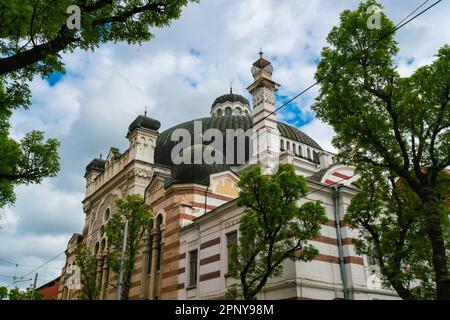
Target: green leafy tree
[
  {"x": 26, "y": 162},
  {"x": 28, "y": 294},
  {"x": 3, "y": 292},
  {"x": 392, "y": 231},
  {"x": 87, "y": 263},
  {"x": 399, "y": 124},
  {"x": 140, "y": 220},
  {"x": 273, "y": 228},
  {"x": 33, "y": 35}
]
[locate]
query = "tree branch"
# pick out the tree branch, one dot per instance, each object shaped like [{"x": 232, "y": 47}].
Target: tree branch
[{"x": 37, "y": 53}]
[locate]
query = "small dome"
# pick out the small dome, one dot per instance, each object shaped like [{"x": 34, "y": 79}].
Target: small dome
[
  {"x": 96, "y": 164},
  {"x": 230, "y": 97},
  {"x": 144, "y": 122}
]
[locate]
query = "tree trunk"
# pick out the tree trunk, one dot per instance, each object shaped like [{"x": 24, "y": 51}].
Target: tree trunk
[
  {"x": 126, "y": 285},
  {"x": 403, "y": 292},
  {"x": 435, "y": 233}
]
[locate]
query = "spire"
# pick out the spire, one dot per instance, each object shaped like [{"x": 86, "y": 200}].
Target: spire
[
  {"x": 231, "y": 87},
  {"x": 262, "y": 67}
]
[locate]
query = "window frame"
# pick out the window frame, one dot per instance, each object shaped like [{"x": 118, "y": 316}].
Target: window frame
[
  {"x": 193, "y": 271},
  {"x": 230, "y": 245}
]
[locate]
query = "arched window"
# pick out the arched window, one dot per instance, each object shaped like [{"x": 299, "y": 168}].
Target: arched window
[
  {"x": 299, "y": 150},
  {"x": 228, "y": 111},
  {"x": 288, "y": 146},
  {"x": 238, "y": 111},
  {"x": 65, "y": 293},
  {"x": 309, "y": 154},
  {"x": 107, "y": 214},
  {"x": 294, "y": 149},
  {"x": 219, "y": 112},
  {"x": 103, "y": 246},
  {"x": 97, "y": 246},
  {"x": 282, "y": 145}
]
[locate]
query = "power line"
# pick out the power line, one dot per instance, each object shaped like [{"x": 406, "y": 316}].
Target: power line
[
  {"x": 417, "y": 9},
  {"x": 24, "y": 265},
  {"x": 37, "y": 268},
  {"x": 4, "y": 260},
  {"x": 400, "y": 25},
  {"x": 48, "y": 261}
]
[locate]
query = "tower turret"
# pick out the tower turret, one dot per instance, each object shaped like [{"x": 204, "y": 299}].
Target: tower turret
[{"x": 267, "y": 144}]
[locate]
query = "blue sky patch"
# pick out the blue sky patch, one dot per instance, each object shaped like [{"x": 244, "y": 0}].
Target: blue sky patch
[
  {"x": 54, "y": 78},
  {"x": 194, "y": 52},
  {"x": 292, "y": 114}
]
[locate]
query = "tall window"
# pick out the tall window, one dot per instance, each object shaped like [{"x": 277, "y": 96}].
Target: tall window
[
  {"x": 231, "y": 241},
  {"x": 97, "y": 247},
  {"x": 282, "y": 145},
  {"x": 288, "y": 146},
  {"x": 228, "y": 111},
  {"x": 107, "y": 214},
  {"x": 193, "y": 257},
  {"x": 309, "y": 154},
  {"x": 158, "y": 260},
  {"x": 150, "y": 253}
]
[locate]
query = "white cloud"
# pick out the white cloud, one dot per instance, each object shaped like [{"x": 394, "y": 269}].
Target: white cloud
[{"x": 90, "y": 109}]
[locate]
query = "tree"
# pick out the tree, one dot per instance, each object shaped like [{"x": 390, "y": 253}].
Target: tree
[
  {"x": 26, "y": 162},
  {"x": 28, "y": 294},
  {"x": 273, "y": 227},
  {"x": 392, "y": 231},
  {"x": 3, "y": 292},
  {"x": 399, "y": 124},
  {"x": 33, "y": 34},
  {"x": 87, "y": 263},
  {"x": 140, "y": 221}
]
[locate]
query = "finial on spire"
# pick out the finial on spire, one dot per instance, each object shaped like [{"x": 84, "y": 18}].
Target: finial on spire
[
  {"x": 260, "y": 53},
  {"x": 101, "y": 155},
  {"x": 145, "y": 112},
  {"x": 231, "y": 87}
]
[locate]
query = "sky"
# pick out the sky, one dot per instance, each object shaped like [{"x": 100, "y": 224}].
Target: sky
[{"x": 177, "y": 76}]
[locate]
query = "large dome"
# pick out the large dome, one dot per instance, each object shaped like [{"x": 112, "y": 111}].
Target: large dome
[{"x": 164, "y": 144}]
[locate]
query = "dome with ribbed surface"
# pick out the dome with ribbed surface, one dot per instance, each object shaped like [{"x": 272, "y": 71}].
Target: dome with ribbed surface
[
  {"x": 97, "y": 165},
  {"x": 201, "y": 172},
  {"x": 144, "y": 122},
  {"x": 293, "y": 133},
  {"x": 230, "y": 97}
]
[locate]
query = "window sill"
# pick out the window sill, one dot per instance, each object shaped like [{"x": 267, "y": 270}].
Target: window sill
[{"x": 192, "y": 286}]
